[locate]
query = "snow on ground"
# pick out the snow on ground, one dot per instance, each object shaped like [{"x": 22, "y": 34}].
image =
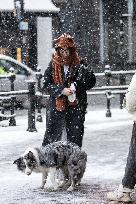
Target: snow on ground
[{"x": 106, "y": 142}]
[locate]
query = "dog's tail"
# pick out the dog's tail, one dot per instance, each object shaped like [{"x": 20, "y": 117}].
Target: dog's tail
[
  {"x": 83, "y": 156},
  {"x": 79, "y": 156}
]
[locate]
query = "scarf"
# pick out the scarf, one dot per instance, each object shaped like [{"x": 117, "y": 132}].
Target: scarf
[{"x": 57, "y": 78}]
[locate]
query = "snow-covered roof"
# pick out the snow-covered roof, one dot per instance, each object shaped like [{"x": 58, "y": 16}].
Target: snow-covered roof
[
  {"x": 6, "y": 5},
  {"x": 31, "y": 6},
  {"x": 40, "y": 5}
]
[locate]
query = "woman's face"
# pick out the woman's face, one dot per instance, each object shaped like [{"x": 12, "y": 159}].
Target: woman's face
[{"x": 65, "y": 54}]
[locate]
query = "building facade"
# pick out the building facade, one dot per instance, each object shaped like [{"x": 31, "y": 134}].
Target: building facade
[
  {"x": 26, "y": 31},
  {"x": 104, "y": 30}
]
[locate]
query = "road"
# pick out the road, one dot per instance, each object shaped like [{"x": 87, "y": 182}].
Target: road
[{"x": 106, "y": 141}]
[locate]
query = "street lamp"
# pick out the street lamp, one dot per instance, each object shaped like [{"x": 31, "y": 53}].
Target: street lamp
[
  {"x": 23, "y": 28},
  {"x": 19, "y": 9},
  {"x": 121, "y": 33}
]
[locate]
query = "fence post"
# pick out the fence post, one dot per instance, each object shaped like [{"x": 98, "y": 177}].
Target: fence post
[
  {"x": 31, "y": 109},
  {"x": 107, "y": 74},
  {"x": 122, "y": 79},
  {"x": 39, "y": 98},
  {"x": 12, "y": 121},
  {"x": 108, "y": 97},
  {"x": 108, "y": 93}
]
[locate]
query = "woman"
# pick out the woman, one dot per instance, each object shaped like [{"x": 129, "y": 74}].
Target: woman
[
  {"x": 123, "y": 193},
  {"x": 67, "y": 81}
]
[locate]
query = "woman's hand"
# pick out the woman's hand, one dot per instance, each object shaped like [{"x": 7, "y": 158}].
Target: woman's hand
[{"x": 67, "y": 91}]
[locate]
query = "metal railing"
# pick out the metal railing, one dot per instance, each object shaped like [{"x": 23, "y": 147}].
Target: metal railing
[
  {"x": 31, "y": 97},
  {"x": 110, "y": 91},
  {"x": 107, "y": 90},
  {"x": 12, "y": 122}
]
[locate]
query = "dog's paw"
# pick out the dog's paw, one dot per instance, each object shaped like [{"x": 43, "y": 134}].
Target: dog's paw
[
  {"x": 71, "y": 188},
  {"x": 51, "y": 189},
  {"x": 41, "y": 187},
  {"x": 78, "y": 184},
  {"x": 65, "y": 183},
  {"x": 62, "y": 185},
  {"x": 55, "y": 187}
]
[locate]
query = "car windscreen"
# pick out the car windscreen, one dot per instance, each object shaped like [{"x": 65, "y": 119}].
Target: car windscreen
[{"x": 5, "y": 66}]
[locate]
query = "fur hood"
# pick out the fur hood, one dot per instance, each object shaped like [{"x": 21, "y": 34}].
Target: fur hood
[{"x": 131, "y": 97}]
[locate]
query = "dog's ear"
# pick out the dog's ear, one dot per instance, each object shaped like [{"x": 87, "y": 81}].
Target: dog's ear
[
  {"x": 29, "y": 155},
  {"x": 20, "y": 164},
  {"x": 17, "y": 161}
]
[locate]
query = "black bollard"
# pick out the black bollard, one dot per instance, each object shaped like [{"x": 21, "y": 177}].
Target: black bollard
[
  {"x": 108, "y": 97},
  {"x": 122, "y": 79},
  {"x": 12, "y": 121},
  {"x": 39, "y": 97},
  {"x": 107, "y": 74},
  {"x": 31, "y": 109},
  {"x": 108, "y": 93}
]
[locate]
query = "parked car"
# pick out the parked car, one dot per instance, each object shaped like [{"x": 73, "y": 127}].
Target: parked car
[{"x": 22, "y": 72}]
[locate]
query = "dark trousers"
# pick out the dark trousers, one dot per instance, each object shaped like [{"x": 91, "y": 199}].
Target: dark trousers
[
  {"x": 72, "y": 119},
  {"x": 129, "y": 179}
]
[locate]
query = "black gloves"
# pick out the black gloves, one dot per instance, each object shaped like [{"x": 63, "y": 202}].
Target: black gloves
[
  {"x": 83, "y": 71},
  {"x": 85, "y": 77}
]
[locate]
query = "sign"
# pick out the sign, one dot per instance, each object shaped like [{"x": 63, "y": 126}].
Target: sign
[
  {"x": 23, "y": 25},
  {"x": 19, "y": 54}
]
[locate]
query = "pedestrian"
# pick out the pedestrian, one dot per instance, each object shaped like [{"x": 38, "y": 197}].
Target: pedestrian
[
  {"x": 123, "y": 193},
  {"x": 66, "y": 81}
]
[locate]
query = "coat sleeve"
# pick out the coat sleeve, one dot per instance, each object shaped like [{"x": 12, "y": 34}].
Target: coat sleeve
[
  {"x": 89, "y": 79},
  {"x": 53, "y": 89},
  {"x": 131, "y": 96},
  {"x": 86, "y": 77}
]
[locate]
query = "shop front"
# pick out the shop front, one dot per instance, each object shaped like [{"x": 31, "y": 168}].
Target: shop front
[{"x": 26, "y": 31}]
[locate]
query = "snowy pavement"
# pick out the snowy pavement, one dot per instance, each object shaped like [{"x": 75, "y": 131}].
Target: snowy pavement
[{"x": 106, "y": 142}]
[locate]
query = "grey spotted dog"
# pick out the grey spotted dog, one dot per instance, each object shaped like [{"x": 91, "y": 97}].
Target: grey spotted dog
[{"x": 48, "y": 159}]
